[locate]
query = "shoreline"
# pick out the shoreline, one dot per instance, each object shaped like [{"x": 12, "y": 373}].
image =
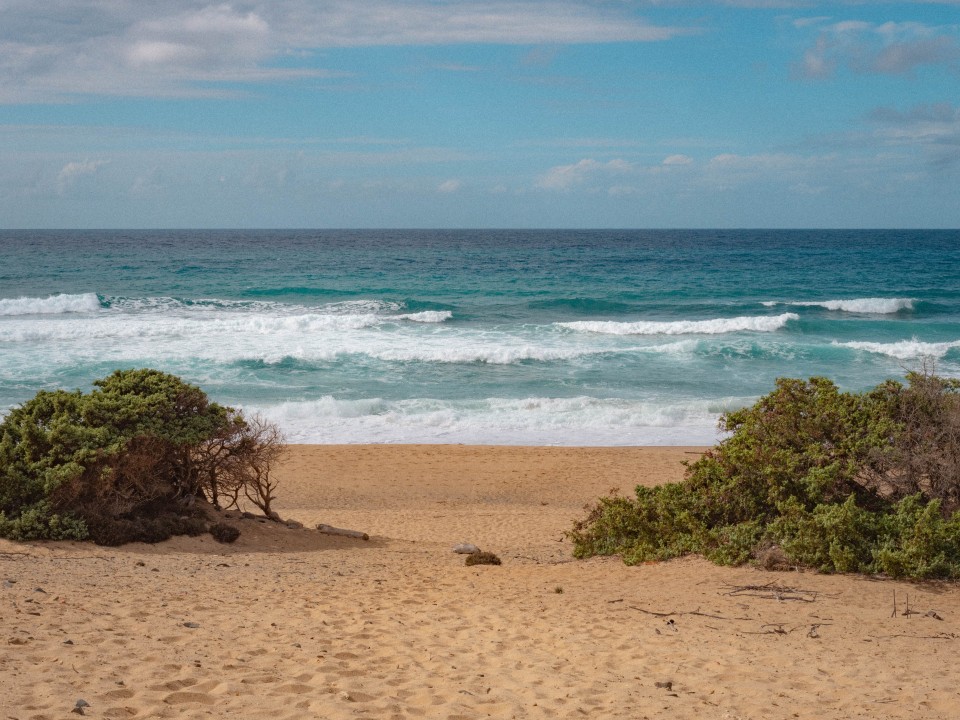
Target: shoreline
[{"x": 291, "y": 623}]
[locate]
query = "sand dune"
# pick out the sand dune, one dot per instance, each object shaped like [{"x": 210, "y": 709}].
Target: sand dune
[{"x": 289, "y": 623}]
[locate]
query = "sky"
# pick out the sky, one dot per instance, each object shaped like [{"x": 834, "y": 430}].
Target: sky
[{"x": 479, "y": 113}]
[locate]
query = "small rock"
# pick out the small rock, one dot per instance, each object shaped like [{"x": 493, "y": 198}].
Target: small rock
[
  {"x": 294, "y": 525},
  {"x": 191, "y": 624},
  {"x": 8, "y": 583},
  {"x": 40, "y": 590},
  {"x": 68, "y": 642},
  {"x": 465, "y": 548},
  {"x": 140, "y": 563},
  {"x": 296, "y": 645},
  {"x": 665, "y": 684},
  {"x": 81, "y": 703}
]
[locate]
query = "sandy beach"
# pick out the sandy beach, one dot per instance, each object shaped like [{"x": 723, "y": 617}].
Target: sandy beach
[{"x": 290, "y": 623}]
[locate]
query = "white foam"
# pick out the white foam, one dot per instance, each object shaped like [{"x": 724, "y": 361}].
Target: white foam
[
  {"x": 904, "y": 349},
  {"x": 362, "y": 307},
  {"x": 274, "y": 338},
  {"x": 198, "y": 306},
  {"x": 52, "y": 305},
  {"x": 427, "y": 316},
  {"x": 684, "y": 327},
  {"x": 524, "y": 421},
  {"x": 864, "y": 306}
]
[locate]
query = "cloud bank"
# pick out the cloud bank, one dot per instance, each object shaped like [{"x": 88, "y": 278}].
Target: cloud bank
[
  {"x": 58, "y": 49},
  {"x": 890, "y": 48}
]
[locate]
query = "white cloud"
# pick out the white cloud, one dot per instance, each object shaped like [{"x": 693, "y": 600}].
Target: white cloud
[
  {"x": 888, "y": 48},
  {"x": 677, "y": 160},
  {"x": 338, "y": 23},
  {"x": 72, "y": 171},
  {"x": 565, "y": 177},
  {"x": 449, "y": 186},
  {"x": 55, "y": 50}
]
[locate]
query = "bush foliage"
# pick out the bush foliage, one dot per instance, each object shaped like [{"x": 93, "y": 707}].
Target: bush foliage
[
  {"x": 127, "y": 461},
  {"x": 842, "y": 482},
  {"x": 224, "y": 533}
]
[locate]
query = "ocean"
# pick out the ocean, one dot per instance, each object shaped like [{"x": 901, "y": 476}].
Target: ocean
[{"x": 549, "y": 337}]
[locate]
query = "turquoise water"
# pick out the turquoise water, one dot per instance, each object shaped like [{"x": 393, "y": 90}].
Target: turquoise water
[{"x": 547, "y": 337}]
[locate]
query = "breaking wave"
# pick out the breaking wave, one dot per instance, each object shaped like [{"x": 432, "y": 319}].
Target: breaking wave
[
  {"x": 904, "y": 349},
  {"x": 864, "y": 306},
  {"x": 52, "y": 305},
  {"x": 684, "y": 327}
]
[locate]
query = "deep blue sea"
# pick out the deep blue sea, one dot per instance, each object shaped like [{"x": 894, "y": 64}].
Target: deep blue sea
[{"x": 507, "y": 337}]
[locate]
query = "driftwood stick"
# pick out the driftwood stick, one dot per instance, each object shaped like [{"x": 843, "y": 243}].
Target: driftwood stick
[
  {"x": 771, "y": 591},
  {"x": 331, "y": 530},
  {"x": 938, "y": 636},
  {"x": 680, "y": 612},
  {"x": 650, "y": 612}
]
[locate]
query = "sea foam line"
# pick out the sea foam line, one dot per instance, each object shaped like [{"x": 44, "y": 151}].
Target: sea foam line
[
  {"x": 904, "y": 349},
  {"x": 716, "y": 326},
  {"x": 51, "y": 305},
  {"x": 864, "y": 306},
  {"x": 502, "y": 421}
]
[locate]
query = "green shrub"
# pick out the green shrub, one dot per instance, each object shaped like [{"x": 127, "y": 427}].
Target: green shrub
[
  {"x": 837, "y": 481},
  {"x": 37, "y": 522},
  {"x": 122, "y": 462}
]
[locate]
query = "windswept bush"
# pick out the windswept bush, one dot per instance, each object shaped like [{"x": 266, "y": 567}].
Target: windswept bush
[
  {"x": 842, "y": 482},
  {"x": 224, "y": 533},
  {"x": 127, "y": 461}
]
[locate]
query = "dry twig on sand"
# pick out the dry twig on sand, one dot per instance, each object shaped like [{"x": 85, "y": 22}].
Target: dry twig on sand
[
  {"x": 773, "y": 591},
  {"x": 682, "y": 612}
]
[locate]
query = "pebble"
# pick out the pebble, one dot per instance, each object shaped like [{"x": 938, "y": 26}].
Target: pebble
[
  {"x": 465, "y": 548},
  {"x": 191, "y": 624},
  {"x": 68, "y": 642}
]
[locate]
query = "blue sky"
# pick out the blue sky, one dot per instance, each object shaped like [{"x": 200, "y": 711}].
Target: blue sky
[{"x": 483, "y": 113}]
